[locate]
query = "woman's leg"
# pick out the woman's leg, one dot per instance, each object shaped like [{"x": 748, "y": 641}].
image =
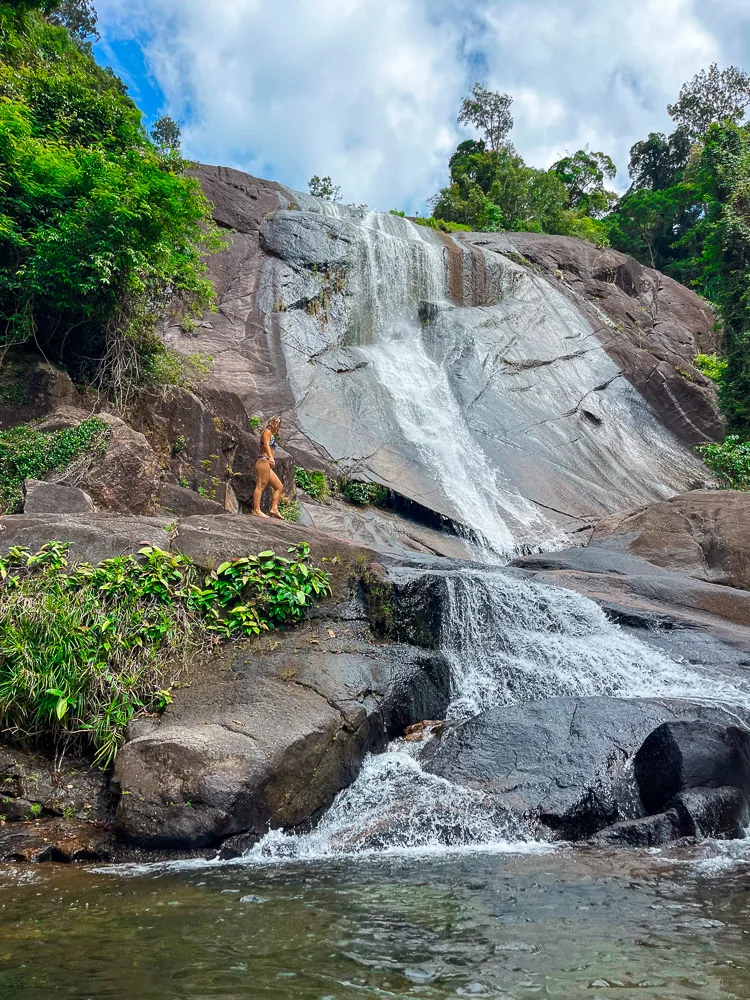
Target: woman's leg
[
  {"x": 277, "y": 488},
  {"x": 262, "y": 475}
]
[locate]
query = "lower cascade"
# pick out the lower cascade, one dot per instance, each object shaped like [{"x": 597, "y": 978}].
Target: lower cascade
[{"x": 508, "y": 641}]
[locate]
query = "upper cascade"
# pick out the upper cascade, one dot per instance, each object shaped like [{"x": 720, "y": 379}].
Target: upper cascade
[{"x": 518, "y": 384}]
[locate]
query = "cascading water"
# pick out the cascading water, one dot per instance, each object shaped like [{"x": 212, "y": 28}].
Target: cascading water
[
  {"x": 422, "y": 401},
  {"x": 507, "y": 640},
  {"x": 410, "y": 388},
  {"x": 459, "y": 378}
]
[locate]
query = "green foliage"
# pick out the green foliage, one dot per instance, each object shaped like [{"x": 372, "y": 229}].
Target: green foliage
[
  {"x": 313, "y": 482},
  {"x": 446, "y": 227},
  {"x": 488, "y": 111},
  {"x": 26, "y": 453},
  {"x": 77, "y": 16},
  {"x": 395, "y": 211},
  {"x": 711, "y": 365},
  {"x": 363, "y": 494},
  {"x": 729, "y": 461},
  {"x": 99, "y": 229},
  {"x": 583, "y": 175},
  {"x": 711, "y": 97},
  {"x": 256, "y": 423},
  {"x": 290, "y": 509},
  {"x": 493, "y": 190},
  {"x": 162, "y": 366},
  {"x": 323, "y": 187},
  {"x": 166, "y": 134},
  {"x": 82, "y": 650}
]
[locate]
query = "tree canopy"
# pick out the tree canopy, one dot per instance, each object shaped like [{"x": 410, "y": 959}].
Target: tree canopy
[{"x": 99, "y": 230}]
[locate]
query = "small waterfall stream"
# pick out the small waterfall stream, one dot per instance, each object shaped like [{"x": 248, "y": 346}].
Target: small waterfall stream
[{"x": 508, "y": 640}]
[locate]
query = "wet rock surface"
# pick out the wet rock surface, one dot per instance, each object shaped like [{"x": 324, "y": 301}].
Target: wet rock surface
[
  {"x": 650, "y": 325},
  {"x": 681, "y": 754},
  {"x": 704, "y": 534},
  {"x": 564, "y": 761},
  {"x": 553, "y": 357}
]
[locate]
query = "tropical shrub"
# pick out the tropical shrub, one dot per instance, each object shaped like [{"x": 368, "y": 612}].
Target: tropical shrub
[
  {"x": 711, "y": 365},
  {"x": 363, "y": 494},
  {"x": 313, "y": 482},
  {"x": 26, "y": 453},
  {"x": 99, "y": 229},
  {"x": 729, "y": 461},
  {"x": 84, "y": 649}
]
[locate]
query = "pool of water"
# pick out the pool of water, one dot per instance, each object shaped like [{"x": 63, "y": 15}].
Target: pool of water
[{"x": 569, "y": 923}]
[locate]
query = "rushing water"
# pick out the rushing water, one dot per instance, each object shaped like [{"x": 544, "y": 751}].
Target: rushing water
[
  {"x": 577, "y": 925},
  {"x": 467, "y": 381},
  {"x": 508, "y": 640}
]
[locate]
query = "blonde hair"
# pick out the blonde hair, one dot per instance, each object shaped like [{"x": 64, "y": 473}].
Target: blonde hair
[{"x": 273, "y": 424}]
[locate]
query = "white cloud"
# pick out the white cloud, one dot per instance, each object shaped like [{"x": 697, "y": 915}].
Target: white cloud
[{"x": 368, "y": 90}]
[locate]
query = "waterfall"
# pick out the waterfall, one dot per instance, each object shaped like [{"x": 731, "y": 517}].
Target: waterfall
[
  {"x": 460, "y": 378},
  {"x": 507, "y": 640}
]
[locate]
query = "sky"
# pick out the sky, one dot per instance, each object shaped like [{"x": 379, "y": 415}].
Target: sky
[{"x": 368, "y": 91}]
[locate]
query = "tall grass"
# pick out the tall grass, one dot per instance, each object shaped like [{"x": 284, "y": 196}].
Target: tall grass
[{"x": 83, "y": 650}]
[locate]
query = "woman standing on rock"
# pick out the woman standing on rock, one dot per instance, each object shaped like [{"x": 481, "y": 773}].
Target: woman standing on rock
[{"x": 264, "y": 474}]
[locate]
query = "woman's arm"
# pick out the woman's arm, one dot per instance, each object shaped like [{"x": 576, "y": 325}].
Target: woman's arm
[{"x": 265, "y": 447}]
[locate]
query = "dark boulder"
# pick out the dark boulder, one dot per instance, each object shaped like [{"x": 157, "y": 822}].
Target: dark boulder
[
  {"x": 125, "y": 480},
  {"x": 267, "y": 734},
  {"x": 560, "y": 761},
  {"x": 647, "y": 831},
  {"x": 59, "y": 840},
  {"x": 721, "y": 813},
  {"x": 695, "y": 753}
]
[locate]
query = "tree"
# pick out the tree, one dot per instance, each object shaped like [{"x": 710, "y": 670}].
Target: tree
[
  {"x": 323, "y": 187},
  {"x": 659, "y": 161},
  {"x": 724, "y": 173},
  {"x": 712, "y": 96},
  {"x": 166, "y": 134},
  {"x": 583, "y": 175},
  {"x": 78, "y": 16},
  {"x": 489, "y": 111},
  {"x": 98, "y": 232}
]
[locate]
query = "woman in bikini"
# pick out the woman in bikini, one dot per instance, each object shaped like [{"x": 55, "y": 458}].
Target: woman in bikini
[{"x": 264, "y": 474}]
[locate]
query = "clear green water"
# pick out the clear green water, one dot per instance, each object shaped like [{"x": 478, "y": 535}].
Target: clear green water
[{"x": 570, "y": 924}]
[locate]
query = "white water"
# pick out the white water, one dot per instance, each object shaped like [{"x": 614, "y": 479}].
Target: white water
[
  {"x": 472, "y": 410},
  {"x": 392, "y": 277},
  {"x": 508, "y": 640}
]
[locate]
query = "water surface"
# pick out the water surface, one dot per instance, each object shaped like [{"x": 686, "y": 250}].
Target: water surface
[{"x": 569, "y": 923}]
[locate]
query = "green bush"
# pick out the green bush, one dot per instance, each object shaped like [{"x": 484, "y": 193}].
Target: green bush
[
  {"x": 313, "y": 482},
  {"x": 26, "y": 453},
  {"x": 290, "y": 510},
  {"x": 363, "y": 494},
  {"x": 84, "y": 649},
  {"x": 99, "y": 228},
  {"x": 711, "y": 365},
  {"x": 441, "y": 224},
  {"x": 729, "y": 461}
]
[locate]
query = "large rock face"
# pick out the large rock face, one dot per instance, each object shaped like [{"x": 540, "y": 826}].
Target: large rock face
[
  {"x": 519, "y": 384},
  {"x": 266, "y": 737},
  {"x": 704, "y": 534}
]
